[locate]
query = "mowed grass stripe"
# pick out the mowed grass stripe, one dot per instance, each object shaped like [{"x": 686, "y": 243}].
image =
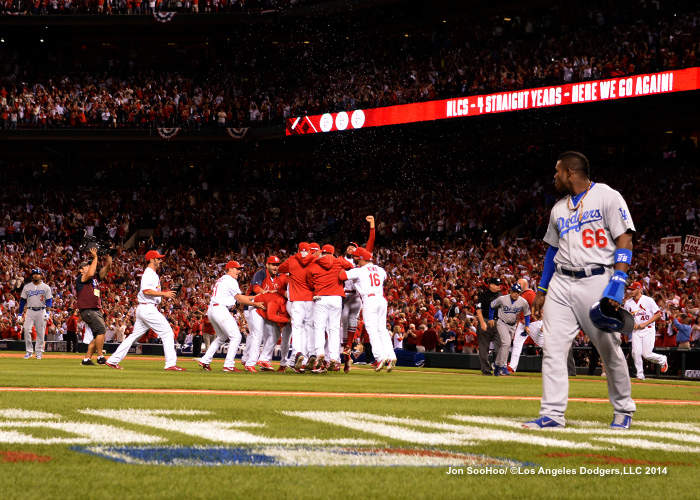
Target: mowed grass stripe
[{"x": 323, "y": 394}]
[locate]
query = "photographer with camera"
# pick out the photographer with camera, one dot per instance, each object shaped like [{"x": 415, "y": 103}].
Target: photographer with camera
[{"x": 90, "y": 304}]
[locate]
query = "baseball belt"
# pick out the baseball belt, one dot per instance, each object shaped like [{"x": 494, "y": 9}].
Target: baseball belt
[
  {"x": 36, "y": 308},
  {"x": 581, "y": 272}
]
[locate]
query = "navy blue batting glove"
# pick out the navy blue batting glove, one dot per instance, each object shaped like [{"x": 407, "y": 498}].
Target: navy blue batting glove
[
  {"x": 616, "y": 287},
  {"x": 523, "y": 333}
]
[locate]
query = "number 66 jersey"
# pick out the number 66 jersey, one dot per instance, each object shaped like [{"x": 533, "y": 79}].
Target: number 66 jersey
[{"x": 586, "y": 236}]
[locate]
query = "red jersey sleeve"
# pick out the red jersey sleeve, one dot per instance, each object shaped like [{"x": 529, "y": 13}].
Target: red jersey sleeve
[
  {"x": 370, "y": 242},
  {"x": 273, "y": 309},
  {"x": 284, "y": 267}
]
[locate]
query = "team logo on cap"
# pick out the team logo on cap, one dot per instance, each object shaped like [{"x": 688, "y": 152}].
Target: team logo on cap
[{"x": 152, "y": 254}]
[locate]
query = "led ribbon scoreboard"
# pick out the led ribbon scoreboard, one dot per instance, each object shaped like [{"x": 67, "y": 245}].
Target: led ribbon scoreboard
[{"x": 561, "y": 95}]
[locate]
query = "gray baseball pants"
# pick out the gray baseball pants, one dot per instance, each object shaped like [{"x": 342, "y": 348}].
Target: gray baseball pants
[
  {"x": 505, "y": 334},
  {"x": 37, "y": 319},
  {"x": 565, "y": 313}
]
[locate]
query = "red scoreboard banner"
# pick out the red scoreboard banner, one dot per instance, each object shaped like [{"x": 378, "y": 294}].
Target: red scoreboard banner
[{"x": 543, "y": 97}]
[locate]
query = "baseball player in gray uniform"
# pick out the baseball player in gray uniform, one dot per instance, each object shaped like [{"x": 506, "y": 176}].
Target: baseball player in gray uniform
[
  {"x": 509, "y": 308},
  {"x": 36, "y": 297},
  {"x": 590, "y": 250}
]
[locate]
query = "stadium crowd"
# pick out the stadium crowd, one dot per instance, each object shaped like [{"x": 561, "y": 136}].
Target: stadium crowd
[
  {"x": 437, "y": 250},
  {"x": 134, "y": 85},
  {"x": 138, "y": 7}
]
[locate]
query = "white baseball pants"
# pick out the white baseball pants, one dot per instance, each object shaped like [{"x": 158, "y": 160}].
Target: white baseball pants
[
  {"x": 226, "y": 328},
  {"x": 352, "y": 304},
  {"x": 302, "y": 314},
  {"x": 256, "y": 324},
  {"x": 271, "y": 334},
  {"x": 327, "y": 310},
  {"x": 519, "y": 341},
  {"x": 565, "y": 313},
  {"x": 374, "y": 316},
  {"x": 643, "y": 345},
  {"x": 148, "y": 316}
]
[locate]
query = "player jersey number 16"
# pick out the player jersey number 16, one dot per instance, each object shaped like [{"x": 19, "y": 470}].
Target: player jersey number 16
[
  {"x": 374, "y": 279},
  {"x": 591, "y": 239}
]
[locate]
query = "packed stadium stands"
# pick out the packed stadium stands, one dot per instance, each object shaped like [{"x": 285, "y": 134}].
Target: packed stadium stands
[
  {"x": 259, "y": 82},
  {"x": 445, "y": 221}
]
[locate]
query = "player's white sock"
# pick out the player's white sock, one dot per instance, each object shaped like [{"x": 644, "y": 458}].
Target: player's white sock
[{"x": 86, "y": 359}]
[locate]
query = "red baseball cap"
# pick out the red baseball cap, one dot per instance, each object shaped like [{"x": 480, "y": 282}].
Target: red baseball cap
[
  {"x": 362, "y": 253},
  {"x": 635, "y": 286},
  {"x": 328, "y": 249},
  {"x": 232, "y": 264},
  {"x": 272, "y": 259},
  {"x": 152, "y": 254},
  {"x": 304, "y": 247},
  {"x": 315, "y": 247}
]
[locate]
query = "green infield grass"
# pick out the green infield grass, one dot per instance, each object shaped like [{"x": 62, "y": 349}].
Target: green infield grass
[{"x": 143, "y": 432}]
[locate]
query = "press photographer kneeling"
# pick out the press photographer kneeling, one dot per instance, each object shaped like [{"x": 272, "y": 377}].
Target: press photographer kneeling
[{"x": 90, "y": 303}]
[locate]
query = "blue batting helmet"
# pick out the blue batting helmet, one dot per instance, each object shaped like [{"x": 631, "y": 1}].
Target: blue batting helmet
[
  {"x": 36, "y": 270},
  {"x": 605, "y": 317},
  {"x": 516, "y": 288}
]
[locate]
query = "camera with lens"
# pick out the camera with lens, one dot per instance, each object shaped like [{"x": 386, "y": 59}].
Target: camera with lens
[{"x": 103, "y": 247}]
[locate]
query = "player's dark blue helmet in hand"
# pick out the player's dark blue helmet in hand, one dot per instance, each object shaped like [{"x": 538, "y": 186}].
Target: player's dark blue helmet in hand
[{"x": 605, "y": 317}]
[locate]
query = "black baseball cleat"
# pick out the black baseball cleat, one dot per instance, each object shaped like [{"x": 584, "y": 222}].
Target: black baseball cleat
[
  {"x": 101, "y": 360},
  {"x": 87, "y": 362}
]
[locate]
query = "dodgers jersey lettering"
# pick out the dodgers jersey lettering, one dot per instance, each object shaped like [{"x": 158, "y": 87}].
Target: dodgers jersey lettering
[
  {"x": 36, "y": 295},
  {"x": 368, "y": 279},
  {"x": 149, "y": 281},
  {"x": 508, "y": 310},
  {"x": 224, "y": 291},
  {"x": 643, "y": 311},
  {"x": 587, "y": 235}
]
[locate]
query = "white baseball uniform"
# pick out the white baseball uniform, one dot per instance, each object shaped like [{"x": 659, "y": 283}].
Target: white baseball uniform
[
  {"x": 253, "y": 344},
  {"x": 643, "y": 340},
  {"x": 369, "y": 282},
  {"x": 148, "y": 316},
  {"x": 519, "y": 341},
  {"x": 585, "y": 238},
  {"x": 223, "y": 297}
]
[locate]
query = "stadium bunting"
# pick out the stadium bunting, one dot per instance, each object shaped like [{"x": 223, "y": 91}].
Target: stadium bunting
[
  {"x": 168, "y": 133},
  {"x": 237, "y": 133},
  {"x": 501, "y": 102},
  {"x": 164, "y": 17}
]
